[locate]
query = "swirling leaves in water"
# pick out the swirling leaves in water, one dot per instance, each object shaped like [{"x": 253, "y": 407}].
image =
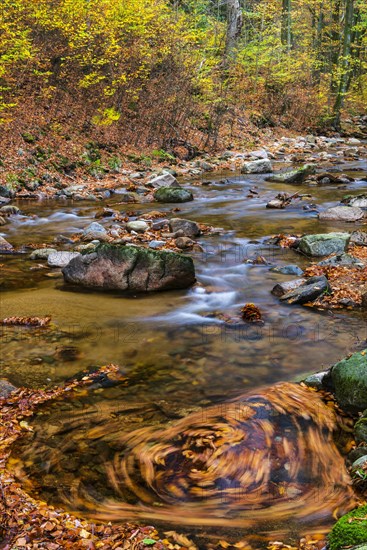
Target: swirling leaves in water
[{"x": 257, "y": 459}]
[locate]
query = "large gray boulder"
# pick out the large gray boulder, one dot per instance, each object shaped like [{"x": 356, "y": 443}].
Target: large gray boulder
[
  {"x": 188, "y": 228},
  {"x": 349, "y": 379},
  {"x": 293, "y": 176},
  {"x": 342, "y": 213},
  {"x": 324, "y": 244},
  {"x": 116, "y": 267},
  {"x": 262, "y": 166},
  {"x": 173, "y": 194}
]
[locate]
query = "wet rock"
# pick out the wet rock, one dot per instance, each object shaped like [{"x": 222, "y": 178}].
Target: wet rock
[
  {"x": 360, "y": 429},
  {"x": 159, "y": 224},
  {"x": 6, "y": 192},
  {"x": 89, "y": 247},
  {"x": 6, "y": 388},
  {"x": 173, "y": 194},
  {"x": 206, "y": 166},
  {"x": 137, "y": 226},
  {"x": 293, "y": 176},
  {"x": 275, "y": 203},
  {"x": 316, "y": 380},
  {"x": 359, "y": 201},
  {"x": 349, "y": 378},
  {"x": 327, "y": 178},
  {"x": 342, "y": 259},
  {"x": 259, "y": 154},
  {"x": 2, "y": 221},
  {"x": 261, "y": 166},
  {"x": 4, "y": 245},
  {"x": 324, "y": 244},
  {"x": 156, "y": 244},
  {"x": 42, "y": 253},
  {"x": 94, "y": 227},
  {"x": 95, "y": 231},
  {"x": 9, "y": 210},
  {"x": 359, "y": 238},
  {"x": 342, "y": 213},
  {"x": 61, "y": 258},
  {"x": 283, "y": 288},
  {"x": 184, "y": 243},
  {"x": 114, "y": 267},
  {"x": 308, "y": 291},
  {"x": 105, "y": 213},
  {"x": 188, "y": 228},
  {"x": 288, "y": 270},
  {"x": 165, "y": 180}
]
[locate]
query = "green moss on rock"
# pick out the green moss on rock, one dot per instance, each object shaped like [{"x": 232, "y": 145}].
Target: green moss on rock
[
  {"x": 349, "y": 379},
  {"x": 350, "y": 530},
  {"x": 173, "y": 194}
]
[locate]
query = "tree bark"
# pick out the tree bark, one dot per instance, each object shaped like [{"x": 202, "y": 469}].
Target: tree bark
[
  {"x": 234, "y": 26},
  {"x": 286, "y": 30},
  {"x": 344, "y": 62}
]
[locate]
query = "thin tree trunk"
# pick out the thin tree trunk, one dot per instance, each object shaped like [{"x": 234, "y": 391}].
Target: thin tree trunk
[
  {"x": 345, "y": 61},
  {"x": 234, "y": 26},
  {"x": 286, "y": 30}
]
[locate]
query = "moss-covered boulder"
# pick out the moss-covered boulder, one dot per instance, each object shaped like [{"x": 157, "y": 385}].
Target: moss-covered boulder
[
  {"x": 173, "y": 194},
  {"x": 324, "y": 244},
  {"x": 130, "y": 268},
  {"x": 349, "y": 381},
  {"x": 350, "y": 530},
  {"x": 293, "y": 176}
]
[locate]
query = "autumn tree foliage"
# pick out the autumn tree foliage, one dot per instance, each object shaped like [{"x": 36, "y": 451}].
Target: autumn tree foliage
[{"x": 155, "y": 71}]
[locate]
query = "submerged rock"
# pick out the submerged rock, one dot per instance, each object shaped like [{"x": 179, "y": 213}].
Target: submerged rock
[
  {"x": 342, "y": 213},
  {"x": 114, "y": 267},
  {"x": 173, "y": 194},
  {"x": 293, "y": 176},
  {"x": 349, "y": 379},
  {"x": 262, "y": 166},
  {"x": 324, "y": 244}
]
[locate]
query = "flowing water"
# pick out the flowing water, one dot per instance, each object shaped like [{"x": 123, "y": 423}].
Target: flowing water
[{"x": 179, "y": 357}]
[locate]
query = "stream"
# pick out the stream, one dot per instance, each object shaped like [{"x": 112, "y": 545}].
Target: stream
[{"x": 178, "y": 357}]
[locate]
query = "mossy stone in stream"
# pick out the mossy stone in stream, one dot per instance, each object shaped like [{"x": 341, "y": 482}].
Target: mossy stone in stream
[
  {"x": 130, "y": 268},
  {"x": 173, "y": 194},
  {"x": 350, "y": 530},
  {"x": 324, "y": 244},
  {"x": 349, "y": 380},
  {"x": 293, "y": 176}
]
